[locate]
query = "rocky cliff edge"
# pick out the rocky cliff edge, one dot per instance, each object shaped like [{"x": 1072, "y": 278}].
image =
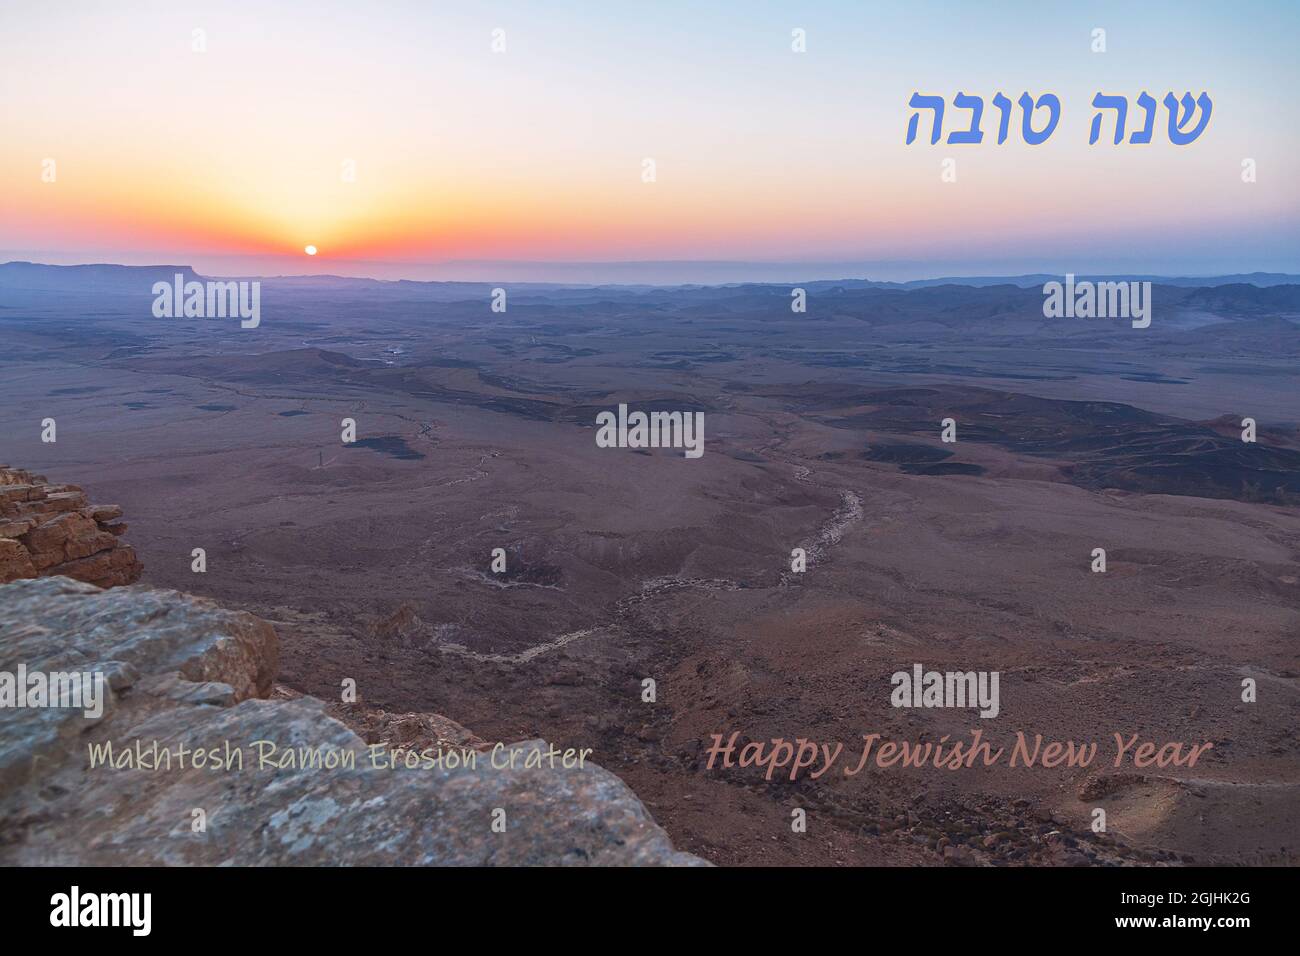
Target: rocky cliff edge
[{"x": 184, "y": 672}]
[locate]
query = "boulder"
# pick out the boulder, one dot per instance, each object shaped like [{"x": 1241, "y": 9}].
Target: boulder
[{"x": 187, "y": 673}]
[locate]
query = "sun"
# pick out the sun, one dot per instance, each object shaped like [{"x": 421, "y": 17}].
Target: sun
[{"x": 310, "y": 250}]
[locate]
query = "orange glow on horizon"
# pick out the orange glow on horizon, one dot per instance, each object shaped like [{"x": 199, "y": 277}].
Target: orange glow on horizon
[{"x": 406, "y": 156}]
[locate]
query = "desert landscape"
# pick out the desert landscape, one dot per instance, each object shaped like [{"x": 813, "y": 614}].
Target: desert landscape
[{"x": 475, "y": 431}]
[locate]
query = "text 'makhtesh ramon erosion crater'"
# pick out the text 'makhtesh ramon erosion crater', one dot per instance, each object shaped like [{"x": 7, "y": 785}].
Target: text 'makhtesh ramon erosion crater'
[{"x": 187, "y": 673}]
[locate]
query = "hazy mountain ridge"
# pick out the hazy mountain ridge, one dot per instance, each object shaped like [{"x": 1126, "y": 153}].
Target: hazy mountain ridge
[{"x": 107, "y": 276}]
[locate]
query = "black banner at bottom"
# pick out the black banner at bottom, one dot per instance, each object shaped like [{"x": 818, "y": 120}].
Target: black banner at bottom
[{"x": 338, "y": 905}]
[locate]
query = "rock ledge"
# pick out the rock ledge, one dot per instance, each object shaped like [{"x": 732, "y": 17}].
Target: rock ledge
[
  {"x": 48, "y": 529},
  {"x": 187, "y": 673}
]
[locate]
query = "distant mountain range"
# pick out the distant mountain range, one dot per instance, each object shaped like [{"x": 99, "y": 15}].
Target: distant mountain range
[
  {"x": 37, "y": 277},
  {"x": 1262, "y": 279},
  {"x": 107, "y": 277}
]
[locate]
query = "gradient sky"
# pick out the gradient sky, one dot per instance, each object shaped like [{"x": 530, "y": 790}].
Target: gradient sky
[{"x": 230, "y": 159}]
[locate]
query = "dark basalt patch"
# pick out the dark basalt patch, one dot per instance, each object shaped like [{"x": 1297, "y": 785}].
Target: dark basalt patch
[
  {"x": 1105, "y": 444},
  {"x": 392, "y": 445},
  {"x": 537, "y": 573},
  {"x": 905, "y": 453},
  {"x": 943, "y": 468}
]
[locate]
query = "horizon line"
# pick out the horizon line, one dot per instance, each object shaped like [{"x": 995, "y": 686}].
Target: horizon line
[{"x": 710, "y": 263}]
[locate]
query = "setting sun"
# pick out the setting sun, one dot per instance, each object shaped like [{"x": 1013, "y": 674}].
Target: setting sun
[{"x": 310, "y": 250}]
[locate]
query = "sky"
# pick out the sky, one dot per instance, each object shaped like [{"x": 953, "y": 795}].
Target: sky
[{"x": 529, "y": 162}]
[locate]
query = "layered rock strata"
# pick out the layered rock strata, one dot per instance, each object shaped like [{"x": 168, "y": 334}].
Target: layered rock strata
[{"x": 48, "y": 529}]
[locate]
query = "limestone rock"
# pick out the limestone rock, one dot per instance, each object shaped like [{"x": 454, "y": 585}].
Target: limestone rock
[
  {"x": 48, "y": 529},
  {"x": 58, "y": 624},
  {"x": 186, "y": 672}
]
